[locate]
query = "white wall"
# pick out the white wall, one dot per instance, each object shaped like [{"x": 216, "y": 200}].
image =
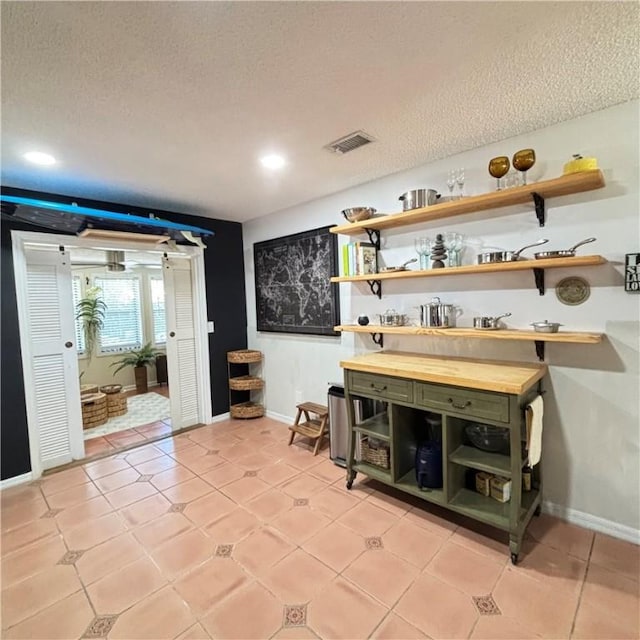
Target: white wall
[{"x": 591, "y": 437}]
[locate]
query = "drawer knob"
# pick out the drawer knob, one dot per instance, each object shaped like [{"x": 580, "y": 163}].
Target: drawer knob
[
  {"x": 459, "y": 406},
  {"x": 377, "y": 388}
]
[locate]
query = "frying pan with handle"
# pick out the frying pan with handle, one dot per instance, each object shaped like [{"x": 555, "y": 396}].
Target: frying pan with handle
[
  {"x": 506, "y": 256},
  {"x": 402, "y": 267},
  {"x": 564, "y": 253}
]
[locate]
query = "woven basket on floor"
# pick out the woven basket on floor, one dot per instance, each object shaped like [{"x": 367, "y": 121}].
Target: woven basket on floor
[
  {"x": 111, "y": 388},
  {"x": 88, "y": 388},
  {"x": 94, "y": 410},
  {"x": 244, "y": 356},
  {"x": 375, "y": 452},
  {"x": 246, "y": 410}
]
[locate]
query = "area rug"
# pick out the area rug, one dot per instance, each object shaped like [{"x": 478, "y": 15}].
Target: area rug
[{"x": 143, "y": 409}]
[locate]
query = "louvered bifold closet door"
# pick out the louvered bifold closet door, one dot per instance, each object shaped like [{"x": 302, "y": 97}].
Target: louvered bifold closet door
[
  {"x": 55, "y": 408},
  {"x": 181, "y": 344}
]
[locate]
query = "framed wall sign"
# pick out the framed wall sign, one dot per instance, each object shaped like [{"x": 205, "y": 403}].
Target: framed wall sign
[
  {"x": 632, "y": 272},
  {"x": 293, "y": 292}
]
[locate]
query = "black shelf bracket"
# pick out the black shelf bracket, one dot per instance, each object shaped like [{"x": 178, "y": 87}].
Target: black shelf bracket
[
  {"x": 374, "y": 237},
  {"x": 376, "y": 287},
  {"x": 538, "y": 201},
  {"x": 538, "y": 275},
  {"x": 540, "y": 349},
  {"x": 378, "y": 338}
]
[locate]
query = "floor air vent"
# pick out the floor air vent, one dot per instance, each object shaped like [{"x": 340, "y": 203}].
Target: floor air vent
[{"x": 350, "y": 142}]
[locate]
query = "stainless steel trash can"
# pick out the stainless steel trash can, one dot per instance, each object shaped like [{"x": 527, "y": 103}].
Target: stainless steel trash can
[{"x": 339, "y": 423}]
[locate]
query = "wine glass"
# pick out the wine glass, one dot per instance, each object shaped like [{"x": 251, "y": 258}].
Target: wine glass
[
  {"x": 460, "y": 179},
  {"x": 453, "y": 243},
  {"x": 423, "y": 249},
  {"x": 451, "y": 182},
  {"x": 458, "y": 247},
  {"x": 450, "y": 245},
  {"x": 523, "y": 160},
  {"x": 499, "y": 167}
]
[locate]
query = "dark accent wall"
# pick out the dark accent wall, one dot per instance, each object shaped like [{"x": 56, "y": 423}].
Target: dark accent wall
[{"x": 226, "y": 306}]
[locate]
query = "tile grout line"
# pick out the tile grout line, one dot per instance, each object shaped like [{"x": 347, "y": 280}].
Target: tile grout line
[{"x": 584, "y": 579}]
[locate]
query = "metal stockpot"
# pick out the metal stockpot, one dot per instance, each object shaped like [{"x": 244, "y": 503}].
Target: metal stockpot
[
  {"x": 437, "y": 314},
  {"x": 418, "y": 198}
]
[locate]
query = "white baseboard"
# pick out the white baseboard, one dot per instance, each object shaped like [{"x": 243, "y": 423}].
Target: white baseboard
[
  {"x": 221, "y": 417},
  {"x": 278, "y": 416},
  {"x": 594, "y": 523},
  {"x": 132, "y": 387},
  {"x": 21, "y": 479}
]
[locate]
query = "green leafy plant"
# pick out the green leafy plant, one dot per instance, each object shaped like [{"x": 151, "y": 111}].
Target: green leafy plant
[
  {"x": 91, "y": 310},
  {"x": 142, "y": 357}
]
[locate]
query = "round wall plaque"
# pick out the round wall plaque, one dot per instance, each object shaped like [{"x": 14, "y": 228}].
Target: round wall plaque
[{"x": 573, "y": 290}]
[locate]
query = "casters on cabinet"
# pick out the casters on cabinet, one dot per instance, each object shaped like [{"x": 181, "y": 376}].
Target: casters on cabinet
[
  {"x": 351, "y": 476},
  {"x": 514, "y": 558}
]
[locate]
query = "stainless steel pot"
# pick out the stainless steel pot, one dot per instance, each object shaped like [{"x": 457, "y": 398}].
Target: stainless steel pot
[
  {"x": 565, "y": 253},
  {"x": 488, "y": 323},
  {"x": 418, "y": 198},
  {"x": 438, "y": 314},
  {"x": 506, "y": 256},
  {"x": 391, "y": 318},
  {"x": 546, "y": 326}
]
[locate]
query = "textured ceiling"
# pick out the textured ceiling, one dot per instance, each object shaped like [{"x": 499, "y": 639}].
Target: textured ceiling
[{"x": 170, "y": 104}]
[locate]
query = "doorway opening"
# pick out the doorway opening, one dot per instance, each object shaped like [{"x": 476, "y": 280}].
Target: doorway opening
[
  {"x": 124, "y": 390},
  {"x": 153, "y": 301}
]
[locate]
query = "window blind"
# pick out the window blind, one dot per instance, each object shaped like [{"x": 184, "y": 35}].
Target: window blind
[
  {"x": 158, "y": 311},
  {"x": 76, "y": 286},
  {"x": 122, "y": 329}
]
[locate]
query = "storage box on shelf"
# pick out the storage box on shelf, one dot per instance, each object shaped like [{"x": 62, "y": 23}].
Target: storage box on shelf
[
  {"x": 244, "y": 383},
  {"x": 460, "y": 392},
  {"x": 564, "y": 185}
]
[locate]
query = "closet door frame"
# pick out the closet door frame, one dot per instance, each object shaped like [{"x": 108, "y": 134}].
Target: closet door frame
[{"x": 22, "y": 239}]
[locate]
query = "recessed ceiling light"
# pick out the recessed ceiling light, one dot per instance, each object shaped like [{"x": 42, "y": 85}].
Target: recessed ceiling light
[
  {"x": 38, "y": 157},
  {"x": 273, "y": 161}
]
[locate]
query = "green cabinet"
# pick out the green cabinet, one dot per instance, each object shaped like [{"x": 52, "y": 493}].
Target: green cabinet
[{"x": 412, "y": 408}]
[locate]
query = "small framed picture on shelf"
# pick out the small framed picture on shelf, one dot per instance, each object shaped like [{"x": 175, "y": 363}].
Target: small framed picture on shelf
[
  {"x": 632, "y": 272},
  {"x": 367, "y": 258}
]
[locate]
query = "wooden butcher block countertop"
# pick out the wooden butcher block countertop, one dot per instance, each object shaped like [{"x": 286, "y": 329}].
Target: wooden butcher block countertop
[{"x": 505, "y": 377}]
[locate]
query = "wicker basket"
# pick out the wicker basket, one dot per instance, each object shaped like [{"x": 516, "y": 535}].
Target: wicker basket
[
  {"x": 116, "y": 404},
  {"x": 243, "y": 356},
  {"x": 111, "y": 388},
  {"x": 94, "y": 410},
  {"x": 88, "y": 388},
  {"x": 245, "y": 410},
  {"x": 245, "y": 383},
  {"x": 375, "y": 452}
]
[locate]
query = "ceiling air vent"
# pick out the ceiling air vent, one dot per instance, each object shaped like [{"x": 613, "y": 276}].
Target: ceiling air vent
[{"x": 350, "y": 142}]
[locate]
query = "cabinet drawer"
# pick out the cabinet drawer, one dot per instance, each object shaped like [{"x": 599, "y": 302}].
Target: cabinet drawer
[
  {"x": 381, "y": 386},
  {"x": 475, "y": 404}
]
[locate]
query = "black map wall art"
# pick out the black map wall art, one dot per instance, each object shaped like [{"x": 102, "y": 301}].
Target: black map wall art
[{"x": 293, "y": 292}]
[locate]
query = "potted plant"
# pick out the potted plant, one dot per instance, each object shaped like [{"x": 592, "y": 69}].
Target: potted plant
[
  {"x": 90, "y": 310},
  {"x": 139, "y": 359}
]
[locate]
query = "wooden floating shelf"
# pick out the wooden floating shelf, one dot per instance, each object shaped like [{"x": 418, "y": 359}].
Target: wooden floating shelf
[
  {"x": 467, "y": 332},
  {"x": 518, "y": 265},
  {"x": 562, "y": 186}
]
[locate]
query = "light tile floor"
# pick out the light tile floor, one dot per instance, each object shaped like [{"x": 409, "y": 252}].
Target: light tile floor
[{"x": 226, "y": 532}]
